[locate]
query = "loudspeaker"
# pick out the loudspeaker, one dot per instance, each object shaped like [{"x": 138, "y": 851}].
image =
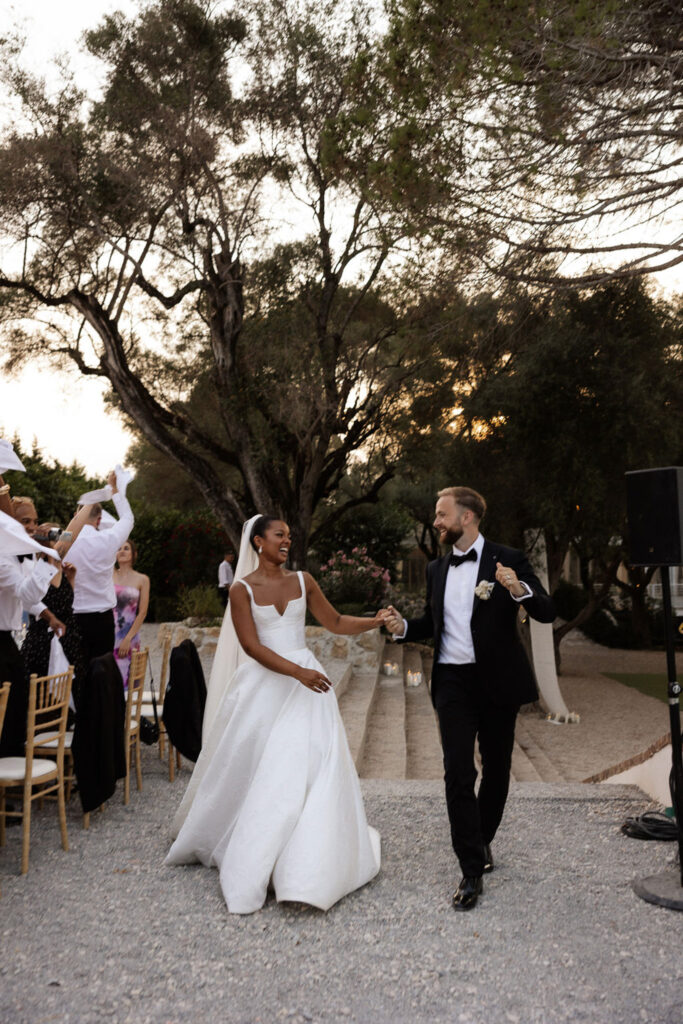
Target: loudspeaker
[{"x": 654, "y": 503}]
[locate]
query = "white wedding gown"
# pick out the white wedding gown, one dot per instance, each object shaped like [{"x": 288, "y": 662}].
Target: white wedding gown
[{"x": 279, "y": 803}]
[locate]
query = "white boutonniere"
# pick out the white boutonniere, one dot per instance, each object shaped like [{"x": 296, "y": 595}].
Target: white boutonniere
[{"x": 484, "y": 588}]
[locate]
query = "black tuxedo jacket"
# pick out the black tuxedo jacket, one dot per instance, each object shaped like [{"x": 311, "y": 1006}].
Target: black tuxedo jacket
[
  {"x": 500, "y": 656},
  {"x": 185, "y": 700},
  {"x": 98, "y": 746}
]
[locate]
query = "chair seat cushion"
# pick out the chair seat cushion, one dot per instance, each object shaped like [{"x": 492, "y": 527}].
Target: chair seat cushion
[
  {"x": 13, "y": 769},
  {"x": 49, "y": 739}
]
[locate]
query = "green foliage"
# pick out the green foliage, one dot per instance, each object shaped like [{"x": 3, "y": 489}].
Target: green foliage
[
  {"x": 179, "y": 551},
  {"x": 353, "y": 577},
  {"x": 381, "y": 529},
  {"x": 200, "y": 602},
  {"x": 612, "y": 627}
]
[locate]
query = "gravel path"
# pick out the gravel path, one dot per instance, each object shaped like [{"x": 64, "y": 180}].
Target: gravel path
[{"x": 106, "y": 932}]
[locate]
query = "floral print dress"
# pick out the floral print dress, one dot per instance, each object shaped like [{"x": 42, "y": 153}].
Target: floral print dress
[{"x": 127, "y": 602}]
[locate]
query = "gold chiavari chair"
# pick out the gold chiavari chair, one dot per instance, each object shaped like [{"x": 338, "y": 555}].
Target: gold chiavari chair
[
  {"x": 136, "y": 685},
  {"x": 48, "y": 705}
]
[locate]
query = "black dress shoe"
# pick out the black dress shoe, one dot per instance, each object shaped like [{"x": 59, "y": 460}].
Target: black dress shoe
[
  {"x": 488, "y": 859},
  {"x": 465, "y": 896}
]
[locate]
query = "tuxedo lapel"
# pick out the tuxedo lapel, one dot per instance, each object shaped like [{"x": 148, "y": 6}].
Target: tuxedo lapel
[
  {"x": 487, "y": 568},
  {"x": 440, "y": 588}
]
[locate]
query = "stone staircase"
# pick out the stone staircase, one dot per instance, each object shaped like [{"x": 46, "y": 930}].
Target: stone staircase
[
  {"x": 392, "y": 728},
  {"x": 391, "y": 725}
]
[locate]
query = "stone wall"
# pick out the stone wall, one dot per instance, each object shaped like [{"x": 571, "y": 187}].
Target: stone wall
[{"x": 360, "y": 651}]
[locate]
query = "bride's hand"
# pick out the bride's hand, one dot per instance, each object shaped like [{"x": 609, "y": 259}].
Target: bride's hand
[
  {"x": 381, "y": 618},
  {"x": 313, "y": 680}
]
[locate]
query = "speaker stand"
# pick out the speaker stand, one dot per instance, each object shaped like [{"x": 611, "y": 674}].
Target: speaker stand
[{"x": 666, "y": 889}]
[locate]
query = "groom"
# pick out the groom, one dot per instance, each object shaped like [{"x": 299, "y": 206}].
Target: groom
[{"x": 481, "y": 673}]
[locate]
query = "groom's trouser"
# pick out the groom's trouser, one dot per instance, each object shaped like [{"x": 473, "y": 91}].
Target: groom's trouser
[{"x": 465, "y": 713}]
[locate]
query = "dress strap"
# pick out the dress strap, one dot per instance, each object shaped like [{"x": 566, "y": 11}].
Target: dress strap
[
  {"x": 301, "y": 582},
  {"x": 250, "y": 591}
]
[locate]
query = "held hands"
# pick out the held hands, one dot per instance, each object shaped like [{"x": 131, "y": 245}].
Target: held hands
[
  {"x": 393, "y": 620},
  {"x": 312, "y": 679},
  {"x": 380, "y": 619},
  {"x": 508, "y": 579},
  {"x": 69, "y": 571},
  {"x": 111, "y": 480}
]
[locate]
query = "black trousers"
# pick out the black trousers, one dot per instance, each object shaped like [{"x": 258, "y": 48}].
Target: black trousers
[
  {"x": 98, "y": 634},
  {"x": 465, "y": 714},
  {"x": 12, "y": 671}
]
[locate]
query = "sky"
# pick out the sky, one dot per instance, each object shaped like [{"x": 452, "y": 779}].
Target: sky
[{"x": 63, "y": 412}]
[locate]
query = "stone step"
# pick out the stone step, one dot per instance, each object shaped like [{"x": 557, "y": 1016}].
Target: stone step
[
  {"x": 339, "y": 673},
  {"x": 423, "y": 743},
  {"x": 384, "y": 754},
  {"x": 536, "y": 753},
  {"x": 522, "y": 768},
  {"x": 355, "y": 706}
]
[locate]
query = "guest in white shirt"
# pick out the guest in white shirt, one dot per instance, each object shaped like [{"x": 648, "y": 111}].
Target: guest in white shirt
[
  {"x": 23, "y": 582},
  {"x": 94, "y": 555},
  {"x": 225, "y": 575}
]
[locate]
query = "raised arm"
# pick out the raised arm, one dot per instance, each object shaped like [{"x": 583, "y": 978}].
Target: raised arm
[
  {"x": 74, "y": 528},
  {"x": 330, "y": 618},
  {"x": 5, "y": 500}
]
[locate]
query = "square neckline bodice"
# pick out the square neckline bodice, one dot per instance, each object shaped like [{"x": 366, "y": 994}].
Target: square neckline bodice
[{"x": 292, "y": 600}]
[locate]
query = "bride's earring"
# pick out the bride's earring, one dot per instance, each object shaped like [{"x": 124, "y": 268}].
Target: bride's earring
[{"x": 260, "y": 551}]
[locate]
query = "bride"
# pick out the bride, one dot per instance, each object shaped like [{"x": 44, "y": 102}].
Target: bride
[{"x": 274, "y": 799}]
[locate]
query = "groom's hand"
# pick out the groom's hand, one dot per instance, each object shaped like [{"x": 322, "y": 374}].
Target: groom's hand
[
  {"x": 508, "y": 578},
  {"x": 393, "y": 620}
]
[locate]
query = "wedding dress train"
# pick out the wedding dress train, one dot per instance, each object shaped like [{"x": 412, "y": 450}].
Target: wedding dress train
[{"x": 279, "y": 802}]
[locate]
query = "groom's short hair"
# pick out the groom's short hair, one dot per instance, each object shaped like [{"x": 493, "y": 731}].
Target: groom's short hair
[{"x": 466, "y": 498}]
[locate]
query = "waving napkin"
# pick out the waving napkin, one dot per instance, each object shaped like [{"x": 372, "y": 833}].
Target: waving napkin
[
  {"x": 8, "y": 457},
  {"x": 123, "y": 478},
  {"x": 14, "y": 539}
]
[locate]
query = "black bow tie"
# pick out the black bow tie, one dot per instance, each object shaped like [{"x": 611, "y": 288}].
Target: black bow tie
[
  {"x": 457, "y": 560},
  {"x": 22, "y": 557}
]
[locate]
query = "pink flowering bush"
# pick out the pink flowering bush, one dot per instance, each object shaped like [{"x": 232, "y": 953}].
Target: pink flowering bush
[{"x": 354, "y": 577}]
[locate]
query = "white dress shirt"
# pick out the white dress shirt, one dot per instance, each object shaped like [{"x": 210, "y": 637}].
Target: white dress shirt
[
  {"x": 94, "y": 554},
  {"x": 457, "y": 647},
  {"x": 22, "y": 584},
  {"x": 225, "y": 574},
  {"x": 458, "y": 601}
]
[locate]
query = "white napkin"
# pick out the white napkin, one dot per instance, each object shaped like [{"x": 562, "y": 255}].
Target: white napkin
[
  {"x": 8, "y": 457},
  {"x": 123, "y": 478},
  {"x": 90, "y": 497},
  {"x": 14, "y": 539}
]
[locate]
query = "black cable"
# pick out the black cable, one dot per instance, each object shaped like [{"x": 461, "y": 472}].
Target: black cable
[
  {"x": 654, "y": 824},
  {"x": 651, "y": 825}
]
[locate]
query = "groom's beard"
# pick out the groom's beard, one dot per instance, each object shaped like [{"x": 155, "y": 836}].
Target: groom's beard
[{"x": 452, "y": 537}]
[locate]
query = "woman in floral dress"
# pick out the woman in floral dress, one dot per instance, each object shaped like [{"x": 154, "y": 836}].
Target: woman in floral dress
[{"x": 132, "y": 602}]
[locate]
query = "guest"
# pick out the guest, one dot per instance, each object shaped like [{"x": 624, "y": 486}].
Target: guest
[
  {"x": 94, "y": 554},
  {"x": 132, "y": 602},
  {"x": 58, "y": 599},
  {"x": 23, "y": 582},
  {"x": 225, "y": 576}
]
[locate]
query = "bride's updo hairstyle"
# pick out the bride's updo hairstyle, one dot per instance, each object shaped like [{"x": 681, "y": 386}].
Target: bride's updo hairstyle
[{"x": 259, "y": 528}]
